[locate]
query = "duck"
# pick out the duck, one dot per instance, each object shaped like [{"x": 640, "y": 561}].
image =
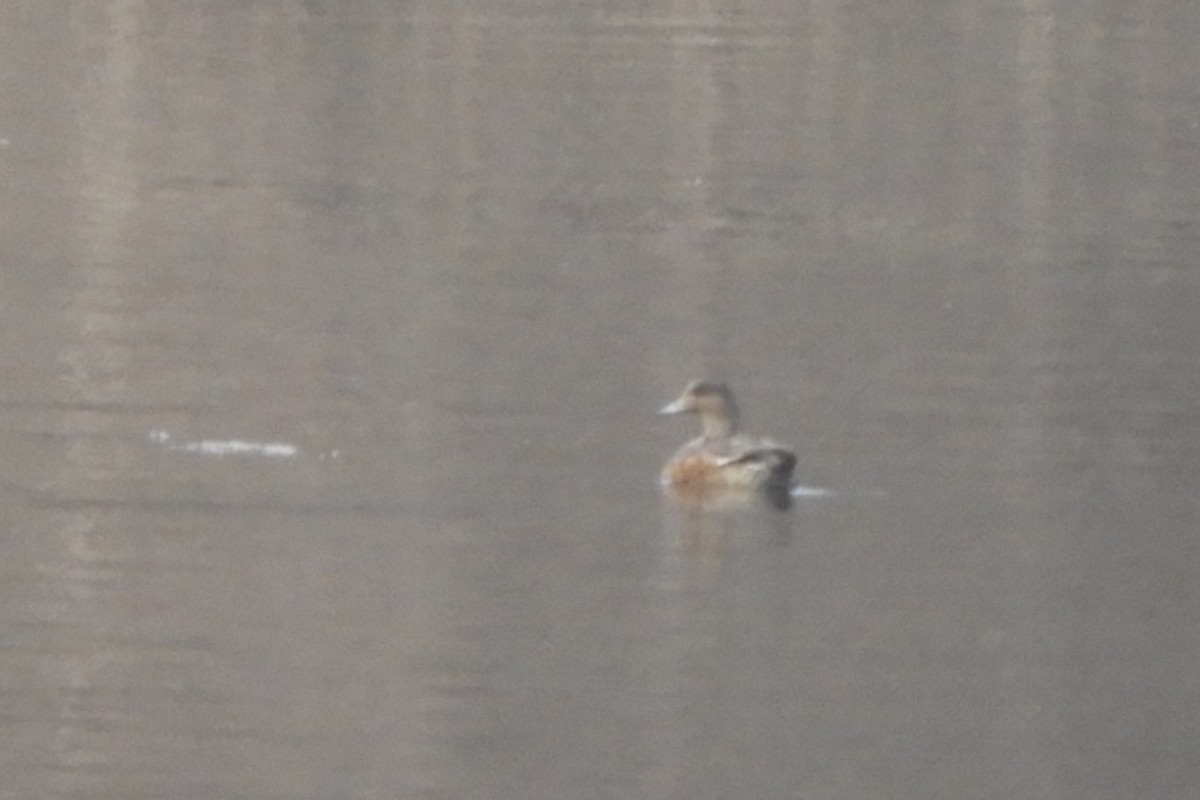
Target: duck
[{"x": 721, "y": 458}]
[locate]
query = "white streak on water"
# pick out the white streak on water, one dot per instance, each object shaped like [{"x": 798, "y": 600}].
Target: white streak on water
[
  {"x": 234, "y": 447},
  {"x": 240, "y": 447},
  {"x": 811, "y": 491}
]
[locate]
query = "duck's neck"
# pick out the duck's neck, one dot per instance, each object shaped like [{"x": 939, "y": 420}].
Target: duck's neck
[{"x": 720, "y": 424}]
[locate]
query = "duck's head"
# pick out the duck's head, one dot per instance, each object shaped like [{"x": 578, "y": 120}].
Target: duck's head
[{"x": 713, "y": 402}]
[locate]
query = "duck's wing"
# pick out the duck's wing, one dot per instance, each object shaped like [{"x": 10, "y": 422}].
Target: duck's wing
[{"x": 765, "y": 454}]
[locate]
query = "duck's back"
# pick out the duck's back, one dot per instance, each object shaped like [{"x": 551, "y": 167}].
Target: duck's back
[{"x": 733, "y": 461}]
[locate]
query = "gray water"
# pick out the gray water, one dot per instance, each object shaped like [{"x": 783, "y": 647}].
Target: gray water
[{"x": 333, "y": 334}]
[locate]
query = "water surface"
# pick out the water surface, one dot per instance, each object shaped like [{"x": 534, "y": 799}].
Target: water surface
[{"x": 334, "y": 333}]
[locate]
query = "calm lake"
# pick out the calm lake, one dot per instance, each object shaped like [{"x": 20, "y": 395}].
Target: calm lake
[{"x": 334, "y": 334}]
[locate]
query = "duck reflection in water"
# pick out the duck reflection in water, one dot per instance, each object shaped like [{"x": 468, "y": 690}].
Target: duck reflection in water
[{"x": 723, "y": 465}]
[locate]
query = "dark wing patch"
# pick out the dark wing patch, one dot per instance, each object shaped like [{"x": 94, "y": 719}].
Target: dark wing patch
[{"x": 777, "y": 460}]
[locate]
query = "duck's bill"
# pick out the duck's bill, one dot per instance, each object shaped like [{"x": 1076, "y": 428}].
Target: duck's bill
[{"x": 678, "y": 407}]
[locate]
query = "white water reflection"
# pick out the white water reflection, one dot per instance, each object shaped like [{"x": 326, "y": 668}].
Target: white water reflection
[{"x": 233, "y": 447}]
